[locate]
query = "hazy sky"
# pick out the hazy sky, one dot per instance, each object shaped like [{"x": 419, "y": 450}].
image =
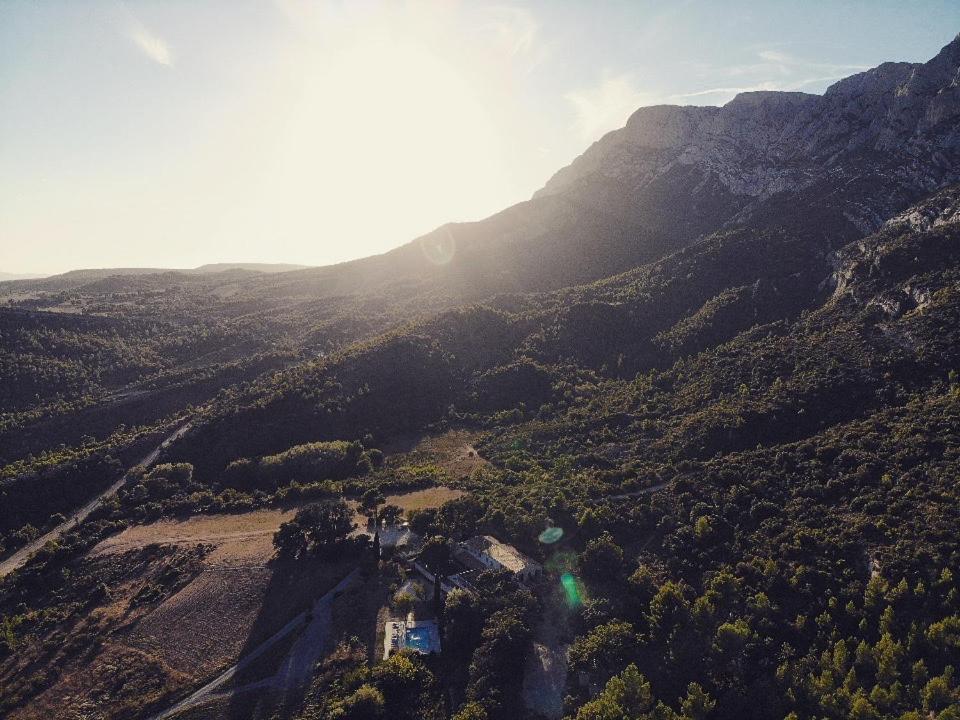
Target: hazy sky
[{"x": 179, "y": 133}]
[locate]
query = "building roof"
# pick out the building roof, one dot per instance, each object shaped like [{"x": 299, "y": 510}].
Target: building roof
[{"x": 507, "y": 555}]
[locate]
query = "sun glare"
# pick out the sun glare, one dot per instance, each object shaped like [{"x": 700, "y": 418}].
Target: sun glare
[{"x": 382, "y": 119}]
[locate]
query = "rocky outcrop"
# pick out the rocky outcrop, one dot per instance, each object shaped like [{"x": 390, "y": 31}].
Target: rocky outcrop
[
  {"x": 888, "y": 269},
  {"x": 877, "y": 140}
]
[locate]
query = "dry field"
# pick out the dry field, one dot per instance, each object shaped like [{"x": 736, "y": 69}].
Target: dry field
[
  {"x": 432, "y": 497},
  {"x": 239, "y": 540},
  {"x": 228, "y": 600},
  {"x": 426, "y": 498}
]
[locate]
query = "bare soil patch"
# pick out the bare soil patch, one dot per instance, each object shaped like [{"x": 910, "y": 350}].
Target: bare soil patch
[
  {"x": 202, "y": 629},
  {"x": 239, "y": 540}
]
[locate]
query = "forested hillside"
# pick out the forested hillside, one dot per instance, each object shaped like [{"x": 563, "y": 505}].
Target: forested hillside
[{"x": 716, "y": 357}]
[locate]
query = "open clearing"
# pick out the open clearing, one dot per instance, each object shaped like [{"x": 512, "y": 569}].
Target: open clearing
[
  {"x": 432, "y": 497},
  {"x": 453, "y": 451},
  {"x": 426, "y": 498},
  {"x": 244, "y": 540}
]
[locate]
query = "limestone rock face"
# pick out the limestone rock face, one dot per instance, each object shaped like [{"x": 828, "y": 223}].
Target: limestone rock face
[{"x": 875, "y": 141}]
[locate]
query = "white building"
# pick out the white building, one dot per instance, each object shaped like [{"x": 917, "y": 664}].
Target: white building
[{"x": 496, "y": 555}]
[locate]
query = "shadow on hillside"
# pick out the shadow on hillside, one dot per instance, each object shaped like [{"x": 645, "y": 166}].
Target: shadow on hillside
[{"x": 293, "y": 588}]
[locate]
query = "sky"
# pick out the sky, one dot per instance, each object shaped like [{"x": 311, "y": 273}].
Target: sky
[{"x": 174, "y": 133}]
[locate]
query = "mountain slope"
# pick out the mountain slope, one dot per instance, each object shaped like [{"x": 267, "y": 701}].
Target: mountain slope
[{"x": 727, "y": 299}]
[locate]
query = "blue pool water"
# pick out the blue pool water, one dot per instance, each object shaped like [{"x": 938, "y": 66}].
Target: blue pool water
[{"x": 419, "y": 639}]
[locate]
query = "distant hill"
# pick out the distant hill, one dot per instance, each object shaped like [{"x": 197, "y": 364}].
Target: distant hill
[
  {"x": 77, "y": 278},
  {"x": 4, "y": 276},
  {"x": 253, "y": 267}
]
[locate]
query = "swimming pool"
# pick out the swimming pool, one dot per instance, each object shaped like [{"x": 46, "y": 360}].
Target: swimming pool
[{"x": 418, "y": 638}]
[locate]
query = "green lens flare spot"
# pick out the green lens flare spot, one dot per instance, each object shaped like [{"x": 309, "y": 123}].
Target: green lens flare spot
[
  {"x": 570, "y": 590},
  {"x": 551, "y": 535}
]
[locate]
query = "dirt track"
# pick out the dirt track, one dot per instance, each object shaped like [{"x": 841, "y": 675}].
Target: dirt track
[{"x": 21, "y": 556}]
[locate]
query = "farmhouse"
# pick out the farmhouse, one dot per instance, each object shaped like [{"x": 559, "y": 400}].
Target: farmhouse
[{"x": 496, "y": 555}]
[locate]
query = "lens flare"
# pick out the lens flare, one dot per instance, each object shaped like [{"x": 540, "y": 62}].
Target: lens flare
[
  {"x": 571, "y": 590},
  {"x": 551, "y": 535},
  {"x": 439, "y": 247}
]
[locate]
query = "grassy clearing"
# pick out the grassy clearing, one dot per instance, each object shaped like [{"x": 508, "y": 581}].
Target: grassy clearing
[
  {"x": 415, "y": 500},
  {"x": 453, "y": 452}
]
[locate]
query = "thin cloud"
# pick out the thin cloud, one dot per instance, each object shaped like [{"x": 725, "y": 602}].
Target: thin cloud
[
  {"x": 141, "y": 37},
  {"x": 768, "y": 85},
  {"x": 152, "y": 46},
  {"x": 791, "y": 72},
  {"x": 775, "y": 56},
  {"x": 794, "y": 63},
  {"x": 515, "y": 27}
]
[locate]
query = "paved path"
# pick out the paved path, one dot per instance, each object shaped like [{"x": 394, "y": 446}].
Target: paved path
[
  {"x": 297, "y": 667},
  {"x": 21, "y": 556}
]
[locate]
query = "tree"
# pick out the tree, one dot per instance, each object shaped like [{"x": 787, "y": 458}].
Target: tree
[
  {"x": 365, "y": 703},
  {"x": 668, "y": 609},
  {"x": 602, "y": 560},
  {"x": 404, "y": 602},
  {"x": 604, "y": 649},
  {"x": 463, "y": 623},
  {"x": 326, "y": 523},
  {"x": 626, "y": 695},
  {"x": 371, "y": 498},
  {"x": 496, "y": 673},
  {"x": 319, "y": 527},
  {"x": 471, "y": 711},
  {"x": 938, "y": 693},
  {"x": 290, "y": 540},
  {"x": 391, "y": 514},
  {"x": 402, "y": 677},
  {"x": 698, "y": 704},
  {"x": 436, "y": 554}
]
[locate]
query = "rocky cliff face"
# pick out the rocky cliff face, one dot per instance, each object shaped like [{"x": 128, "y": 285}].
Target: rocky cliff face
[
  {"x": 878, "y": 140},
  {"x": 902, "y": 266}
]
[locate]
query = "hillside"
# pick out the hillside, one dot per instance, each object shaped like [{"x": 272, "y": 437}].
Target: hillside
[{"x": 716, "y": 358}]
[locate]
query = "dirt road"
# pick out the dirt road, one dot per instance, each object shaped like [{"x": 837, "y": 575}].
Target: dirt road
[{"x": 21, "y": 556}]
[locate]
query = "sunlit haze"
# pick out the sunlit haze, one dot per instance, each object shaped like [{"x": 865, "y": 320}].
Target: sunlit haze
[{"x": 175, "y": 134}]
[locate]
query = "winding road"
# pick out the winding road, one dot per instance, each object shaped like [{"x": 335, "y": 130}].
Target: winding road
[{"x": 21, "y": 556}]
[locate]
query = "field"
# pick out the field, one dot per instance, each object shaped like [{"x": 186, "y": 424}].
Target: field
[
  {"x": 156, "y": 638},
  {"x": 244, "y": 540},
  {"x": 414, "y": 500}
]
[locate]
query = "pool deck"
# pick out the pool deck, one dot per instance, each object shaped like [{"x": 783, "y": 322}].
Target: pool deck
[{"x": 396, "y": 636}]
